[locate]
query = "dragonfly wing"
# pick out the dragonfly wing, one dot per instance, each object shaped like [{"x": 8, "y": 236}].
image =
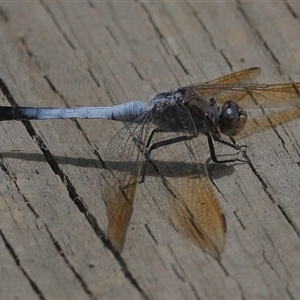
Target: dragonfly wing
[
  {"x": 276, "y": 95},
  {"x": 234, "y": 78},
  {"x": 197, "y": 213},
  {"x": 186, "y": 195},
  {"x": 124, "y": 158},
  {"x": 262, "y": 123},
  {"x": 238, "y": 77},
  {"x": 253, "y": 95}
]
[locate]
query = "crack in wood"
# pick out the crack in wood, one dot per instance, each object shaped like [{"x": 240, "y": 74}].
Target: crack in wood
[
  {"x": 181, "y": 64},
  {"x": 162, "y": 39},
  {"x": 18, "y": 263},
  {"x": 239, "y": 220},
  {"x": 25, "y": 47},
  {"x": 3, "y": 16},
  {"x": 212, "y": 41},
  {"x": 184, "y": 277},
  {"x": 112, "y": 35},
  {"x": 290, "y": 9},
  {"x": 151, "y": 234},
  {"x": 258, "y": 34},
  {"x": 76, "y": 274},
  {"x": 137, "y": 71},
  {"x": 94, "y": 77},
  {"x": 47, "y": 9}
]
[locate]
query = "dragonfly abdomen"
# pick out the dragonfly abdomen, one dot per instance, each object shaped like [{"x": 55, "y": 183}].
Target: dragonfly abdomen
[{"x": 126, "y": 112}]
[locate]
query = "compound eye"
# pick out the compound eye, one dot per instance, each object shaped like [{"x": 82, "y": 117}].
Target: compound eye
[{"x": 232, "y": 119}]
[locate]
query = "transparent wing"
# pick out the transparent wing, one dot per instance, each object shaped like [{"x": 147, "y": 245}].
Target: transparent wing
[
  {"x": 238, "y": 77},
  {"x": 263, "y": 122},
  {"x": 253, "y": 95},
  {"x": 236, "y": 87},
  {"x": 234, "y": 78},
  {"x": 186, "y": 195},
  {"x": 124, "y": 158}
]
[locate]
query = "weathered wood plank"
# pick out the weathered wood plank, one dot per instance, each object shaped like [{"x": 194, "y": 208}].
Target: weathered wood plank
[{"x": 96, "y": 53}]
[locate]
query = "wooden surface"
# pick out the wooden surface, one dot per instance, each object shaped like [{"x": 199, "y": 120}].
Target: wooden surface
[{"x": 53, "y": 221}]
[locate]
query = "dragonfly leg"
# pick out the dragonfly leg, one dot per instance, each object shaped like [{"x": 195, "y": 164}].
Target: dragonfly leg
[
  {"x": 215, "y": 134},
  {"x": 239, "y": 147},
  {"x": 158, "y": 145},
  {"x": 213, "y": 153},
  {"x": 147, "y": 155}
]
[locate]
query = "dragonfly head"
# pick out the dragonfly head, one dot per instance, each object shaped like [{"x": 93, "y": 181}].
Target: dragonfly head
[{"x": 232, "y": 119}]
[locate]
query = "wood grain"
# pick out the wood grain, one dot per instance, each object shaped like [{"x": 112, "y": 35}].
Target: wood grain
[{"x": 52, "y": 228}]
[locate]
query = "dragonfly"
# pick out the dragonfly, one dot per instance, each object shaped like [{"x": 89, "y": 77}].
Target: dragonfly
[{"x": 175, "y": 120}]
